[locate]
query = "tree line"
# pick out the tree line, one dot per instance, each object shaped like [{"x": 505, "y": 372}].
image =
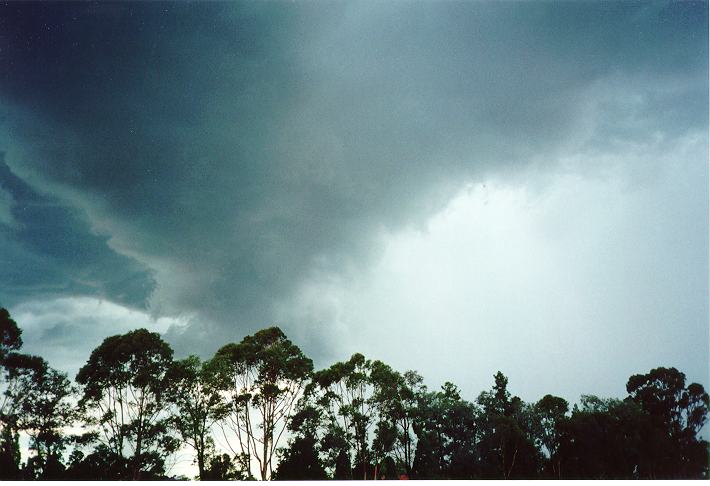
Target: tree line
[{"x": 259, "y": 410}]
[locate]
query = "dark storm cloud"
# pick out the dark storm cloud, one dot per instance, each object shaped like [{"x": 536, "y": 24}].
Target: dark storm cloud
[
  {"x": 47, "y": 249},
  {"x": 235, "y": 148}
]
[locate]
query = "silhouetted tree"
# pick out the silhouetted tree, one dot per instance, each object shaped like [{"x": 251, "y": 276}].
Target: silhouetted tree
[
  {"x": 124, "y": 383},
  {"x": 354, "y": 419},
  {"x": 545, "y": 418},
  {"x": 264, "y": 376},
  {"x": 15, "y": 370},
  {"x": 220, "y": 467},
  {"x": 506, "y": 446},
  {"x": 47, "y": 408},
  {"x": 343, "y": 466},
  {"x": 680, "y": 412},
  {"x": 193, "y": 391},
  {"x": 300, "y": 461},
  {"x": 446, "y": 432},
  {"x": 395, "y": 399},
  {"x": 102, "y": 464},
  {"x": 9, "y": 454},
  {"x": 301, "y": 458},
  {"x": 10, "y": 334},
  {"x": 345, "y": 390},
  {"x": 603, "y": 439}
]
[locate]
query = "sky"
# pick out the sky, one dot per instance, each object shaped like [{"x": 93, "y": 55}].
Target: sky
[{"x": 452, "y": 187}]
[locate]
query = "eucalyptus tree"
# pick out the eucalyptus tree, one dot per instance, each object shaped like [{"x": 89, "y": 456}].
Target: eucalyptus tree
[
  {"x": 608, "y": 439},
  {"x": 221, "y": 467},
  {"x": 12, "y": 366},
  {"x": 10, "y": 334},
  {"x": 301, "y": 459},
  {"x": 545, "y": 419},
  {"x": 124, "y": 383},
  {"x": 262, "y": 377},
  {"x": 345, "y": 392},
  {"x": 14, "y": 369},
  {"x": 47, "y": 409},
  {"x": 195, "y": 396},
  {"x": 683, "y": 410},
  {"x": 679, "y": 412},
  {"x": 505, "y": 440},
  {"x": 396, "y": 399},
  {"x": 445, "y": 426}
]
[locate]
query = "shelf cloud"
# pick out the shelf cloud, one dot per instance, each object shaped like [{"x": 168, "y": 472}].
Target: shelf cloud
[{"x": 227, "y": 166}]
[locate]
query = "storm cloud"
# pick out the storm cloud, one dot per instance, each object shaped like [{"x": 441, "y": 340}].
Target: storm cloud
[{"x": 224, "y": 160}]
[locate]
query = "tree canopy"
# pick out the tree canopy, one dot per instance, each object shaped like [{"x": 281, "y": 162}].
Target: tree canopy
[
  {"x": 257, "y": 409},
  {"x": 123, "y": 393},
  {"x": 262, "y": 377}
]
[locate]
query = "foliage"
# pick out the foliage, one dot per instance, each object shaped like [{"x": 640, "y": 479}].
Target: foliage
[
  {"x": 677, "y": 412},
  {"x": 9, "y": 454},
  {"x": 446, "y": 432},
  {"x": 301, "y": 458},
  {"x": 603, "y": 439},
  {"x": 300, "y": 461},
  {"x": 101, "y": 464},
  {"x": 15, "y": 370},
  {"x": 10, "y": 334},
  {"x": 263, "y": 377},
  {"x": 354, "y": 419},
  {"x": 544, "y": 421},
  {"x": 47, "y": 408},
  {"x": 197, "y": 402},
  {"x": 396, "y": 399},
  {"x": 124, "y": 382},
  {"x": 345, "y": 393},
  {"x": 506, "y": 444},
  {"x": 221, "y": 467}
]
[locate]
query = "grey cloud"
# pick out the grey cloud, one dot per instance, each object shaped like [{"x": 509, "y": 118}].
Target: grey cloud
[
  {"x": 6, "y": 203},
  {"x": 49, "y": 249},
  {"x": 64, "y": 330},
  {"x": 572, "y": 288},
  {"x": 238, "y": 149}
]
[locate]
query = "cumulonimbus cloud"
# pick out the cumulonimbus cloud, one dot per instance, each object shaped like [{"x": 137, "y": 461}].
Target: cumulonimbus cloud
[{"x": 237, "y": 150}]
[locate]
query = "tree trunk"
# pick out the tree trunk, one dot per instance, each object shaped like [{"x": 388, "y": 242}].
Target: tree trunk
[
  {"x": 137, "y": 456},
  {"x": 201, "y": 464},
  {"x": 265, "y": 464}
]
